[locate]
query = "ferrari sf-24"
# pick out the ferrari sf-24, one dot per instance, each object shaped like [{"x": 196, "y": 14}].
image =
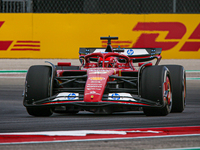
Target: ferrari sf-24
[{"x": 108, "y": 80}]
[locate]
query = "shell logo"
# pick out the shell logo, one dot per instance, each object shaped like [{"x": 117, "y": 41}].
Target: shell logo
[{"x": 96, "y": 78}]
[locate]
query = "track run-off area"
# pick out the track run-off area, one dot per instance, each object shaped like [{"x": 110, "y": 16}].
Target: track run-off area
[{"x": 85, "y": 130}]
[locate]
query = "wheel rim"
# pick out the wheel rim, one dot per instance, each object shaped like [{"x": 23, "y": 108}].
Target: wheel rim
[{"x": 167, "y": 94}]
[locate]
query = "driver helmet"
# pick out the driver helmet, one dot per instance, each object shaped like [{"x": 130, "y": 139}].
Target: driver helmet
[{"x": 109, "y": 62}]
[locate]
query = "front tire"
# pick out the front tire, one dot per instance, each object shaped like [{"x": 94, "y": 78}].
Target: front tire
[
  {"x": 64, "y": 110},
  {"x": 38, "y": 81},
  {"x": 178, "y": 78},
  {"x": 156, "y": 86}
]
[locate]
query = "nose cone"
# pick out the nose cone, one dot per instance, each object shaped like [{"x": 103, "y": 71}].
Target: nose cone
[{"x": 96, "y": 83}]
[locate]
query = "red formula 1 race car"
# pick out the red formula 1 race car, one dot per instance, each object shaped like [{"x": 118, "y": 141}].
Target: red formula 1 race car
[{"x": 107, "y": 81}]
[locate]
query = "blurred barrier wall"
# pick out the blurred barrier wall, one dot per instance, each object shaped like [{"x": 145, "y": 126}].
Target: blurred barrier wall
[{"x": 61, "y": 35}]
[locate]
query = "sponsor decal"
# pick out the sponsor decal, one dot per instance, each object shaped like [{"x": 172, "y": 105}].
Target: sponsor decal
[
  {"x": 27, "y": 45},
  {"x": 92, "y": 92},
  {"x": 97, "y": 78},
  {"x": 93, "y": 86},
  {"x": 115, "y": 96},
  {"x": 121, "y": 96},
  {"x": 99, "y": 50},
  {"x": 67, "y": 96},
  {"x": 95, "y": 81},
  {"x": 151, "y": 31},
  {"x": 100, "y": 69},
  {"x": 98, "y": 72},
  {"x": 173, "y": 37},
  {"x": 130, "y": 52},
  {"x": 4, "y": 45},
  {"x": 93, "y": 89},
  {"x": 71, "y": 96},
  {"x": 135, "y": 52},
  {"x": 115, "y": 44},
  {"x": 1, "y": 23},
  {"x": 148, "y": 34}
]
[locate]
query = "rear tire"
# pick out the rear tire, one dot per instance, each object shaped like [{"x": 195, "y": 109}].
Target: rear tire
[
  {"x": 178, "y": 78},
  {"x": 37, "y": 88},
  {"x": 155, "y": 86}
]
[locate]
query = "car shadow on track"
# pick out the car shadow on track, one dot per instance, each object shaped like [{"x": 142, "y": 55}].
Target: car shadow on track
[{"x": 89, "y": 114}]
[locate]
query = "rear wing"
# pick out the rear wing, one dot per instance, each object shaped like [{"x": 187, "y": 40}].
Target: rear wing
[
  {"x": 135, "y": 54},
  {"x": 130, "y": 52}
]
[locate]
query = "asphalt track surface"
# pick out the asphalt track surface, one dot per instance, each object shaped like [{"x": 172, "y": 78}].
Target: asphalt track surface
[{"x": 14, "y": 118}]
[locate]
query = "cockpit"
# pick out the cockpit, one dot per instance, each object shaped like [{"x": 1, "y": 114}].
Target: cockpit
[{"x": 108, "y": 60}]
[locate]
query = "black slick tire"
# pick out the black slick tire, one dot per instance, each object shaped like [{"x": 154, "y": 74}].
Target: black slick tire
[
  {"x": 178, "y": 78},
  {"x": 152, "y": 88},
  {"x": 37, "y": 88}
]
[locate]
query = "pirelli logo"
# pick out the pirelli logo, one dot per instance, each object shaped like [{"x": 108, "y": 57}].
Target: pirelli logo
[
  {"x": 27, "y": 45},
  {"x": 150, "y": 36}
]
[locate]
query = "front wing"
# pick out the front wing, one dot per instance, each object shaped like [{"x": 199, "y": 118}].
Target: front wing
[{"x": 65, "y": 99}]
